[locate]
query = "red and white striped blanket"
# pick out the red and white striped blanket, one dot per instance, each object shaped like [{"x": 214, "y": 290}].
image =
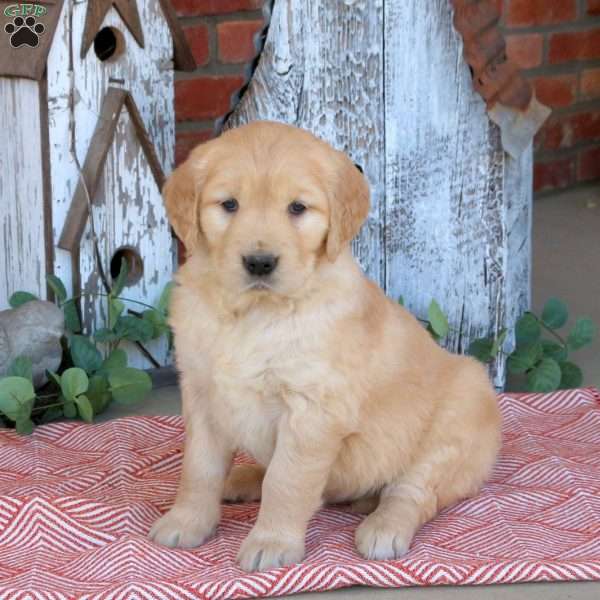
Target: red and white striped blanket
[{"x": 76, "y": 503}]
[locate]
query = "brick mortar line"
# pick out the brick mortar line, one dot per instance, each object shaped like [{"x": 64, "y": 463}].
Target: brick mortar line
[
  {"x": 195, "y": 126},
  {"x": 579, "y": 185},
  {"x": 214, "y": 69},
  {"x": 213, "y": 20},
  {"x": 568, "y": 27},
  {"x": 571, "y": 67},
  {"x": 550, "y": 156},
  {"x": 585, "y": 106}
]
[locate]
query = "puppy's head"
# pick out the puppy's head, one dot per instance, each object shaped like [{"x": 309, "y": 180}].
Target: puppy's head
[{"x": 266, "y": 203}]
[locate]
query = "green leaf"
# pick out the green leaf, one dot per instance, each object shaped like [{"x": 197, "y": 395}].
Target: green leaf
[
  {"x": 99, "y": 394},
  {"x": 528, "y": 329},
  {"x": 165, "y": 298},
  {"x": 158, "y": 322},
  {"x": 438, "y": 320},
  {"x": 401, "y": 300},
  {"x": 129, "y": 385},
  {"x": 121, "y": 279},
  {"x": 72, "y": 322},
  {"x": 572, "y": 376},
  {"x": 84, "y": 354},
  {"x": 555, "y": 313},
  {"x": 25, "y": 426},
  {"x": 16, "y": 397},
  {"x": 525, "y": 357},
  {"x": 582, "y": 334},
  {"x": 73, "y": 382},
  {"x": 553, "y": 350},
  {"x": 20, "y": 298},
  {"x": 117, "y": 359},
  {"x": 69, "y": 409},
  {"x": 21, "y": 367},
  {"x": 498, "y": 342},
  {"x": 481, "y": 349},
  {"x": 58, "y": 287},
  {"x": 105, "y": 335},
  {"x": 134, "y": 329},
  {"x": 545, "y": 377},
  {"x": 84, "y": 407},
  {"x": 115, "y": 310}
]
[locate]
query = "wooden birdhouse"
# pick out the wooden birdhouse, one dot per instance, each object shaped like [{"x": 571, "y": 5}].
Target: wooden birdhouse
[{"x": 87, "y": 117}]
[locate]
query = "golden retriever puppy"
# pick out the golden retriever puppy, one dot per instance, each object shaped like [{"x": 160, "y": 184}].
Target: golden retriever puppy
[{"x": 287, "y": 351}]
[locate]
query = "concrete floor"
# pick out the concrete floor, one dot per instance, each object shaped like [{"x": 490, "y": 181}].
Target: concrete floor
[{"x": 566, "y": 264}]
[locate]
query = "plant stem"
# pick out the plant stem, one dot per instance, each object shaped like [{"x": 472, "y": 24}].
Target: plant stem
[
  {"x": 100, "y": 295},
  {"x": 147, "y": 354},
  {"x": 549, "y": 330},
  {"x": 38, "y": 408},
  {"x": 130, "y": 300}
]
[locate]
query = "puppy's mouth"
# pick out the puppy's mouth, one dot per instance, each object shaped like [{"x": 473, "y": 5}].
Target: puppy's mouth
[{"x": 259, "y": 286}]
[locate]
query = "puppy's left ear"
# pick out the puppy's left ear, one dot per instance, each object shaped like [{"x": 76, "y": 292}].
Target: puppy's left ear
[{"x": 348, "y": 206}]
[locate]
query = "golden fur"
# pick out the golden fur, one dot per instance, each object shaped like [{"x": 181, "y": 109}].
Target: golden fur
[{"x": 336, "y": 391}]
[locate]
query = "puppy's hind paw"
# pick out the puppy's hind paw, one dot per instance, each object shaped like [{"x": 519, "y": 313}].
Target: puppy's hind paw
[{"x": 377, "y": 539}]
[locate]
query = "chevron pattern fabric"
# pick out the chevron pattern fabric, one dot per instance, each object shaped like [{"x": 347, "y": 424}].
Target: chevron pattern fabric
[{"x": 76, "y": 503}]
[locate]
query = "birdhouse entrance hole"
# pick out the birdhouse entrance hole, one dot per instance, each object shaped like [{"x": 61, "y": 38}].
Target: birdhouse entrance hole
[
  {"x": 109, "y": 44},
  {"x": 135, "y": 265}
]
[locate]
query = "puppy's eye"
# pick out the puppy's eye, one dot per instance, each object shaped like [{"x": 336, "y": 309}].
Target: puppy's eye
[
  {"x": 296, "y": 208},
  {"x": 230, "y": 205}
]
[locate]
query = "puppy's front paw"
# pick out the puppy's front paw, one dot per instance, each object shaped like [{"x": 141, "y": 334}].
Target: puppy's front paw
[
  {"x": 183, "y": 527},
  {"x": 378, "y": 538},
  {"x": 262, "y": 551}
]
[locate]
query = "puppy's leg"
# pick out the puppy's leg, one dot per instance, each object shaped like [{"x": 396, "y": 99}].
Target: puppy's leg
[
  {"x": 388, "y": 531},
  {"x": 439, "y": 478},
  {"x": 197, "y": 509},
  {"x": 291, "y": 493},
  {"x": 244, "y": 483}
]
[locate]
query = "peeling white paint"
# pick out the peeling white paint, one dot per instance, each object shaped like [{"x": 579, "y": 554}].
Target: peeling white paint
[{"x": 22, "y": 262}]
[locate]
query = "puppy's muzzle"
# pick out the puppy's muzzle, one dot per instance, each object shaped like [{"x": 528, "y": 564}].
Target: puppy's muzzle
[{"x": 260, "y": 265}]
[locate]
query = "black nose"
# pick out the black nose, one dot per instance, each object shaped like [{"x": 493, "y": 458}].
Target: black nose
[{"x": 260, "y": 264}]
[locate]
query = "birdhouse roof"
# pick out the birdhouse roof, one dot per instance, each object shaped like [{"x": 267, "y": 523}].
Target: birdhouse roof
[
  {"x": 27, "y": 32},
  {"x": 115, "y": 100}
]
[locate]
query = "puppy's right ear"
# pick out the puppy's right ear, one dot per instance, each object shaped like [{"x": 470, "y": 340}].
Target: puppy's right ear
[{"x": 181, "y": 193}]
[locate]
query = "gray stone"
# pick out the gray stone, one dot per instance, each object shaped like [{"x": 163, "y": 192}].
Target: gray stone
[{"x": 34, "y": 330}]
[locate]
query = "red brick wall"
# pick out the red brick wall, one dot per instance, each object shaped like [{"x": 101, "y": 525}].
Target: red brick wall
[
  {"x": 558, "y": 43},
  {"x": 221, "y": 34}
]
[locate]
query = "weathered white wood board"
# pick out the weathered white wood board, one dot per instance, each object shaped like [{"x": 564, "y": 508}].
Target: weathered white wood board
[
  {"x": 322, "y": 69},
  {"x": 22, "y": 251},
  {"x": 386, "y": 82},
  {"x": 128, "y": 212},
  {"x": 449, "y": 205},
  {"x": 147, "y": 73}
]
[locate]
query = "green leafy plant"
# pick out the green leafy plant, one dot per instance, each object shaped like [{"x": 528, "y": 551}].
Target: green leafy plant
[
  {"x": 89, "y": 377},
  {"x": 543, "y": 361}
]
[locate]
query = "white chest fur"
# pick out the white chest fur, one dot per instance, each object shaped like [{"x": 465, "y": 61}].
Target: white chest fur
[{"x": 263, "y": 365}]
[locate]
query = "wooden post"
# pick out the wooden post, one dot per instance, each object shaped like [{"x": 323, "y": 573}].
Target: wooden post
[{"x": 385, "y": 81}]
